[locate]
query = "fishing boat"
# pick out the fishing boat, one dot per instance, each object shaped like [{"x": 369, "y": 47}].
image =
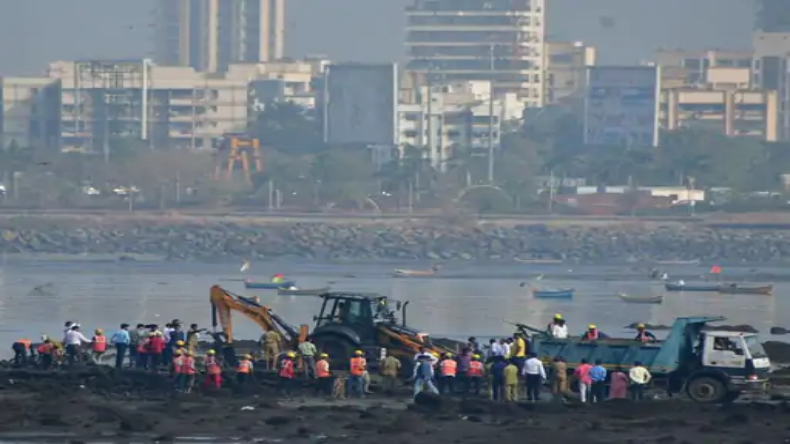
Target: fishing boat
[
  {"x": 538, "y": 261},
  {"x": 641, "y": 299},
  {"x": 415, "y": 273},
  {"x": 268, "y": 285},
  {"x": 738, "y": 289},
  {"x": 686, "y": 287},
  {"x": 301, "y": 291},
  {"x": 559, "y": 293},
  {"x": 679, "y": 262}
]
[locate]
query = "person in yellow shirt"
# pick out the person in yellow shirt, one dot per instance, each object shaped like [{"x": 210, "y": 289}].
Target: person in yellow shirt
[
  {"x": 519, "y": 351},
  {"x": 511, "y": 373}
]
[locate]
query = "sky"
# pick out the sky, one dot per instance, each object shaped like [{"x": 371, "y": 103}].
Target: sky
[{"x": 33, "y": 32}]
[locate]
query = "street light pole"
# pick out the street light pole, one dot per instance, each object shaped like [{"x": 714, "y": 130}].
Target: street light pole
[{"x": 491, "y": 115}]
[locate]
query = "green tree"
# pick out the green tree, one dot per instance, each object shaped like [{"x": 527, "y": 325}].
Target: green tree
[{"x": 289, "y": 128}]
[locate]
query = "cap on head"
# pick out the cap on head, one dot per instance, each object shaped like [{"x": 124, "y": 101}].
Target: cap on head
[
  {"x": 591, "y": 326},
  {"x": 291, "y": 354},
  {"x": 212, "y": 352},
  {"x": 640, "y": 325},
  {"x": 448, "y": 355},
  {"x": 179, "y": 343},
  {"x": 358, "y": 353},
  {"x": 324, "y": 355},
  {"x": 475, "y": 356},
  {"x": 557, "y": 316},
  {"x": 98, "y": 331}
]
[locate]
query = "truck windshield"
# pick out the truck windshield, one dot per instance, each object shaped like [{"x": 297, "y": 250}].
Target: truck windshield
[{"x": 755, "y": 347}]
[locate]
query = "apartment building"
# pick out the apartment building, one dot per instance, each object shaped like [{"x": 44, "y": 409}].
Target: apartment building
[
  {"x": 492, "y": 40},
  {"x": 718, "y": 90},
  {"x": 456, "y": 114},
  {"x": 566, "y": 70},
  {"x": 87, "y": 105},
  {"x": 210, "y": 35}
]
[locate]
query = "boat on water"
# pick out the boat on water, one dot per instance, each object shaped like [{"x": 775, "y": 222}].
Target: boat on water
[
  {"x": 678, "y": 286},
  {"x": 301, "y": 291},
  {"x": 538, "y": 261},
  {"x": 679, "y": 262},
  {"x": 558, "y": 293},
  {"x": 268, "y": 285},
  {"x": 739, "y": 289},
  {"x": 641, "y": 299},
  {"x": 415, "y": 273}
]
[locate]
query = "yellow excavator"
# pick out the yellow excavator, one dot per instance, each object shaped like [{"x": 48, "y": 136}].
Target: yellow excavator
[{"x": 223, "y": 302}]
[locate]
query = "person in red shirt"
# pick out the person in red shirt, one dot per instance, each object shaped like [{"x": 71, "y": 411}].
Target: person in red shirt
[
  {"x": 46, "y": 350},
  {"x": 213, "y": 370},
  {"x": 156, "y": 345},
  {"x": 287, "y": 374},
  {"x": 178, "y": 370}
]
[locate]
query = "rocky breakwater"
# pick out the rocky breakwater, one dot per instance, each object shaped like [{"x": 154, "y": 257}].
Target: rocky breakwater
[{"x": 177, "y": 240}]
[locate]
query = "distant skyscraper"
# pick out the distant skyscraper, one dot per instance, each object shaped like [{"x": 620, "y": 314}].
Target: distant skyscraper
[
  {"x": 773, "y": 16},
  {"x": 499, "y": 40},
  {"x": 208, "y": 35}
]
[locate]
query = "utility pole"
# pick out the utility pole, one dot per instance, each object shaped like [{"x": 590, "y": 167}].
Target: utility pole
[
  {"x": 429, "y": 83},
  {"x": 491, "y": 115}
]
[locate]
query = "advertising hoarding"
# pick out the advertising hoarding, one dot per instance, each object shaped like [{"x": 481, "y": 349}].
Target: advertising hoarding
[{"x": 621, "y": 105}]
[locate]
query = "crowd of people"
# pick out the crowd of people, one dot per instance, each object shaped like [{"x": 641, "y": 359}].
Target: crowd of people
[{"x": 504, "y": 367}]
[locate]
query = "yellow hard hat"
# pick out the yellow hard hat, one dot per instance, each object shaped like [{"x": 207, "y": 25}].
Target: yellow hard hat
[
  {"x": 558, "y": 316},
  {"x": 358, "y": 353},
  {"x": 324, "y": 355},
  {"x": 448, "y": 355},
  {"x": 640, "y": 325},
  {"x": 591, "y": 326},
  {"x": 247, "y": 356},
  {"x": 180, "y": 343},
  {"x": 291, "y": 354},
  {"x": 179, "y": 351},
  {"x": 436, "y": 354},
  {"x": 212, "y": 352},
  {"x": 475, "y": 356},
  {"x": 99, "y": 331}
]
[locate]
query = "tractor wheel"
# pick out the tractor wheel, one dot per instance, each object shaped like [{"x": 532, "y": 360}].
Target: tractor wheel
[{"x": 338, "y": 348}]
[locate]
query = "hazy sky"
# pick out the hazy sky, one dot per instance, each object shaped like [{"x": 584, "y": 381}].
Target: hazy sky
[{"x": 33, "y": 32}]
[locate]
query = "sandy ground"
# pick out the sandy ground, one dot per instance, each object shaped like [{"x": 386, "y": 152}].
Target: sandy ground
[{"x": 101, "y": 404}]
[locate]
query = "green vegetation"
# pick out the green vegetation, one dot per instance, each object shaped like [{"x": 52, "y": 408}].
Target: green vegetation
[{"x": 301, "y": 173}]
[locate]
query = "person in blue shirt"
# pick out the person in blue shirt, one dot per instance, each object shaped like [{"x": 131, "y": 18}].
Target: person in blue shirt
[
  {"x": 423, "y": 376},
  {"x": 121, "y": 340},
  {"x": 498, "y": 378},
  {"x": 598, "y": 377}
]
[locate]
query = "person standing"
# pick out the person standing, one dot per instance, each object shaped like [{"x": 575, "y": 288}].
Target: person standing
[
  {"x": 74, "y": 340},
  {"x": 188, "y": 372},
  {"x": 598, "y": 382},
  {"x": 307, "y": 351},
  {"x": 423, "y": 376},
  {"x": 582, "y": 375},
  {"x": 324, "y": 377},
  {"x": 271, "y": 348},
  {"x": 535, "y": 374},
  {"x": 178, "y": 370},
  {"x": 45, "y": 351},
  {"x": 357, "y": 366},
  {"x": 448, "y": 369},
  {"x": 213, "y": 370},
  {"x": 244, "y": 370},
  {"x": 121, "y": 340},
  {"x": 474, "y": 375},
  {"x": 619, "y": 381},
  {"x": 559, "y": 378},
  {"x": 639, "y": 377},
  {"x": 135, "y": 337},
  {"x": 156, "y": 346},
  {"x": 287, "y": 374},
  {"x": 510, "y": 373},
  {"x": 98, "y": 345},
  {"x": 497, "y": 378},
  {"x": 193, "y": 338},
  {"x": 390, "y": 369}
]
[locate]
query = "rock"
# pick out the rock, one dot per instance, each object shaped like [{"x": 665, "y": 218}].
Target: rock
[{"x": 779, "y": 331}]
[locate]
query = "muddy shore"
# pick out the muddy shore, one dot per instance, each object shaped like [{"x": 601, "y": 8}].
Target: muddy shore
[
  {"x": 170, "y": 238},
  {"x": 103, "y": 404}
]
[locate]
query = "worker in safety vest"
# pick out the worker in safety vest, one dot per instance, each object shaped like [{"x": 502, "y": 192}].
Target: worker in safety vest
[
  {"x": 98, "y": 345},
  {"x": 178, "y": 369},
  {"x": 244, "y": 370},
  {"x": 593, "y": 334},
  {"x": 188, "y": 371},
  {"x": 213, "y": 370},
  {"x": 356, "y": 382},
  {"x": 324, "y": 376},
  {"x": 287, "y": 374},
  {"x": 142, "y": 352},
  {"x": 475, "y": 374},
  {"x": 21, "y": 350},
  {"x": 448, "y": 368},
  {"x": 642, "y": 335},
  {"x": 46, "y": 351}
]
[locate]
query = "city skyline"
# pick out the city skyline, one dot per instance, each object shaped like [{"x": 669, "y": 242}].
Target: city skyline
[{"x": 625, "y": 31}]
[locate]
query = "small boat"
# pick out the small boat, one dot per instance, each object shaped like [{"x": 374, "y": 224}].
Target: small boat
[
  {"x": 641, "y": 299},
  {"x": 679, "y": 262},
  {"x": 737, "y": 289},
  {"x": 687, "y": 287},
  {"x": 415, "y": 273},
  {"x": 268, "y": 285},
  {"x": 538, "y": 261},
  {"x": 560, "y": 293},
  {"x": 301, "y": 291}
]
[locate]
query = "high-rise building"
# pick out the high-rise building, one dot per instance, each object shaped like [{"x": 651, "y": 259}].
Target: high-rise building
[
  {"x": 772, "y": 16},
  {"x": 495, "y": 40},
  {"x": 209, "y": 35}
]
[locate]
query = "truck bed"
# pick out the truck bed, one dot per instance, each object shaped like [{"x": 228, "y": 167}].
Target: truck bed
[{"x": 612, "y": 353}]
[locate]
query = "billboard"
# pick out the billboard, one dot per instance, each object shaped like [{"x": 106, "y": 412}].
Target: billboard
[
  {"x": 621, "y": 105},
  {"x": 360, "y": 104}
]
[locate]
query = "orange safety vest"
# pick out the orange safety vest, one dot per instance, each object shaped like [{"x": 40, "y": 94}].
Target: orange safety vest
[
  {"x": 357, "y": 366},
  {"x": 322, "y": 369},
  {"x": 475, "y": 369},
  {"x": 287, "y": 369},
  {"x": 449, "y": 367},
  {"x": 100, "y": 344},
  {"x": 45, "y": 349},
  {"x": 591, "y": 335},
  {"x": 212, "y": 366},
  {"x": 178, "y": 365},
  {"x": 244, "y": 366},
  {"x": 25, "y": 342},
  {"x": 188, "y": 367}
]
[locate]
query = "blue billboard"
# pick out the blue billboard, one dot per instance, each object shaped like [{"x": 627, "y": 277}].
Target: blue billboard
[{"x": 621, "y": 105}]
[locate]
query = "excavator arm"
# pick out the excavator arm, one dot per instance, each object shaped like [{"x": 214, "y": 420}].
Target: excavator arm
[{"x": 223, "y": 302}]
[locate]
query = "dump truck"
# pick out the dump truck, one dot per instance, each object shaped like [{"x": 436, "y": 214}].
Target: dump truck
[{"x": 709, "y": 365}]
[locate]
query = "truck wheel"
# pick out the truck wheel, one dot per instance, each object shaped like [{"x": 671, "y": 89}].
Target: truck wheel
[{"x": 706, "y": 390}]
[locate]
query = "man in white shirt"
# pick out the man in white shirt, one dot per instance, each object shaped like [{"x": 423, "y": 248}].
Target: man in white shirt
[
  {"x": 73, "y": 341},
  {"x": 506, "y": 346},
  {"x": 535, "y": 374},
  {"x": 425, "y": 354},
  {"x": 639, "y": 377},
  {"x": 559, "y": 330}
]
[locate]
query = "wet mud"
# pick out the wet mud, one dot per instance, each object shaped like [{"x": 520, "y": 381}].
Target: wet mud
[{"x": 97, "y": 402}]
